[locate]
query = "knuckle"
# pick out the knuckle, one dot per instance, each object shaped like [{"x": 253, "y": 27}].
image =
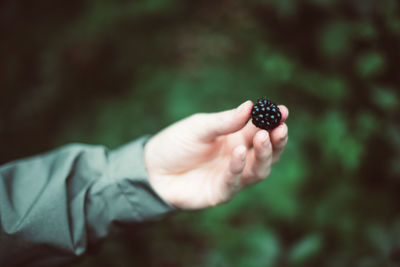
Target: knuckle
[
  {"x": 263, "y": 174},
  {"x": 230, "y": 183},
  {"x": 197, "y": 117},
  {"x": 264, "y": 155},
  {"x": 276, "y": 159}
]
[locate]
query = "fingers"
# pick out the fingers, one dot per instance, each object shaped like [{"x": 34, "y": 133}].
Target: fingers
[
  {"x": 248, "y": 132},
  {"x": 232, "y": 181},
  {"x": 279, "y": 138},
  {"x": 284, "y": 112},
  {"x": 259, "y": 166},
  {"x": 216, "y": 124},
  {"x": 250, "y": 129},
  {"x": 237, "y": 162},
  {"x": 267, "y": 149}
]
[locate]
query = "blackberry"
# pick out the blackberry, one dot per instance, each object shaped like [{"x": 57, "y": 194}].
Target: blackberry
[{"x": 265, "y": 114}]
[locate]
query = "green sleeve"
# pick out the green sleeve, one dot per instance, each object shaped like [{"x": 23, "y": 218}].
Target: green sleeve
[{"x": 53, "y": 206}]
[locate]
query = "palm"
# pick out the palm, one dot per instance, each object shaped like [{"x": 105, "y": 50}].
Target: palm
[{"x": 192, "y": 167}]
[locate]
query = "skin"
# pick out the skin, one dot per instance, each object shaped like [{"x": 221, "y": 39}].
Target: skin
[{"x": 206, "y": 159}]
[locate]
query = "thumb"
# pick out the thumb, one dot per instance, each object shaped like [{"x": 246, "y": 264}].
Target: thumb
[{"x": 225, "y": 122}]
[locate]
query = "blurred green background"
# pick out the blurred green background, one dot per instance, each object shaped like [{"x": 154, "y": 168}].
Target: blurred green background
[{"x": 106, "y": 72}]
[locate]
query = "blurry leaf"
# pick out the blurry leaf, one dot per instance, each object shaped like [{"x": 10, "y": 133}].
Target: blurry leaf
[
  {"x": 216, "y": 258},
  {"x": 351, "y": 151},
  {"x": 385, "y": 98},
  {"x": 335, "y": 39},
  {"x": 365, "y": 30},
  {"x": 339, "y": 145},
  {"x": 259, "y": 248},
  {"x": 390, "y": 10},
  {"x": 287, "y": 8},
  {"x": 334, "y": 209},
  {"x": 305, "y": 249},
  {"x": 335, "y": 87},
  {"x": 379, "y": 239},
  {"x": 277, "y": 68},
  {"x": 366, "y": 124},
  {"x": 329, "y": 88},
  {"x": 370, "y": 64}
]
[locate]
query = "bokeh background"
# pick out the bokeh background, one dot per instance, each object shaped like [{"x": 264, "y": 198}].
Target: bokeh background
[{"x": 106, "y": 72}]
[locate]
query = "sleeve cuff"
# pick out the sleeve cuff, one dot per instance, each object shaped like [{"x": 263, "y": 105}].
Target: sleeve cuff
[{"x": 127, "y": 167}]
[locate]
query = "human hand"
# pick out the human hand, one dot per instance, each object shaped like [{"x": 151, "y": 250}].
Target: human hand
[{"x": 205, "y": 159}]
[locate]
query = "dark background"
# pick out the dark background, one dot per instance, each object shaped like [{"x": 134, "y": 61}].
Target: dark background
[{"x": 106, "y": 72}]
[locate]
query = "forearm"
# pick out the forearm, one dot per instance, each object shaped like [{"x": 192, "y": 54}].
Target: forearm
[{"x": 53, "y": 206}]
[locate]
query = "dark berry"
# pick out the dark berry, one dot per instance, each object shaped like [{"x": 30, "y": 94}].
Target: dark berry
[{"x": 265, "y": 114}]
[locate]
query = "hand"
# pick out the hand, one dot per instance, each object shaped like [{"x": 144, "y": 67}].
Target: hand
[{"x": 205, "y": 159}]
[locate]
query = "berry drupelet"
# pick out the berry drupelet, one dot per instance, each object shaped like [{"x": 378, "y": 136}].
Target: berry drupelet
[{"x": 265, "y": 114}]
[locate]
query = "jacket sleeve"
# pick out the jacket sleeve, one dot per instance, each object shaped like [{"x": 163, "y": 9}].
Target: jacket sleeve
[{"x": 53, "y": 206}]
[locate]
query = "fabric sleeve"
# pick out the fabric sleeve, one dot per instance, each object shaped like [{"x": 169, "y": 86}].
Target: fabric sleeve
[{"x": 53, "y": 206}]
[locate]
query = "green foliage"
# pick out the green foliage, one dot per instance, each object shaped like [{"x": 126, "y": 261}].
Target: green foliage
[
  {"x": 107, "y": 72},
  {"x": 385, "y": 98},
  {"x": 336, "y": 39},
  {"x": 277, "y": 68},
  {"x": 370, "y": 64},
  {"x": 305, "y": 249},
  {"x": 322, "y": 86},
  {"x": 342, "y": 145}
]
